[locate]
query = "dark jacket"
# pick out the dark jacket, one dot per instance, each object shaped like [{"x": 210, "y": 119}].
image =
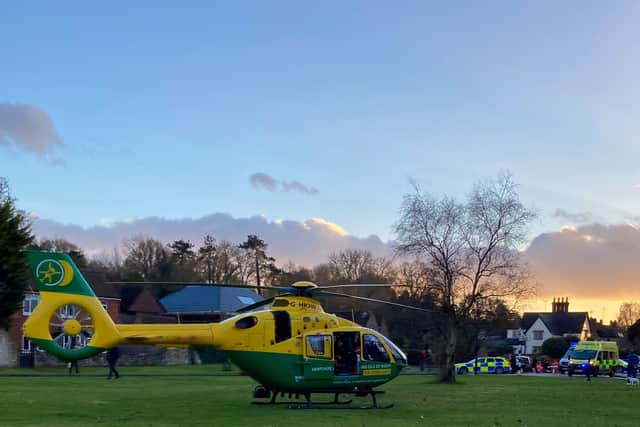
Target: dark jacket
[{"x": 113, "y": 354}]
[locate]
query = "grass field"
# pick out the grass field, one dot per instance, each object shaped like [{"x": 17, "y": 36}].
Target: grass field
[{"x": 198, "y": 395}]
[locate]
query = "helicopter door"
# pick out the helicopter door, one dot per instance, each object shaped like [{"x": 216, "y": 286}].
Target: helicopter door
[{"x": 318, "y": 363}]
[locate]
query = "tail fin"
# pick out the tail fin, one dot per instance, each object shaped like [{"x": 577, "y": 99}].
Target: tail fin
[
  {"x": 69, "y": 320},
  {"x": 56, "y": 272}
]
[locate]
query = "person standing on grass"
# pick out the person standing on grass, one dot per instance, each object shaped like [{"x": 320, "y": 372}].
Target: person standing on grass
[
  {"x": 71, "y": 364},
  {"x": 113, "y": 354},
  {"x": 588, "y": 370},
  {"x": 632, "y": 365},
  {"x": 423, "y": 360}
]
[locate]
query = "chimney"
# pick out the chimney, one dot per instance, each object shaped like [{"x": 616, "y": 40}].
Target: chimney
[{"x": 561, "y": 305}]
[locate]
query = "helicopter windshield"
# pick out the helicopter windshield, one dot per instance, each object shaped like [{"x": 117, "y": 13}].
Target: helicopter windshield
[{"x": 400, "y": 357}]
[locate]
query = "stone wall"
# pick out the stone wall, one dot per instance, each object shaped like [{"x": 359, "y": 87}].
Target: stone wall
[
  {"x": 8, "y": 353},
  {"x": 130, "y": 355}
]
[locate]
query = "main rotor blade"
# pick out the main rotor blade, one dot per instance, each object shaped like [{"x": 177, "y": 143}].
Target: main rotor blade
[
  {"x": 217, "y": 285},
  {"x": 337, "y": 294},
  {"x": 258, "y": 304},
  {"x": 357, "y": 285}
]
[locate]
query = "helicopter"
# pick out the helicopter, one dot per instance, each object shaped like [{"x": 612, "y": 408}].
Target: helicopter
[{"x": 294, "y": 347}]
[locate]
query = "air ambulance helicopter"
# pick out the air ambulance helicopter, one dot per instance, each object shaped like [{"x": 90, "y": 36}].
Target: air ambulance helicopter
[{"x": 294, "y": 347}]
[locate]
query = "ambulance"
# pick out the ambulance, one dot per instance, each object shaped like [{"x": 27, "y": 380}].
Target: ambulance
[{"x": 601, "y": 357}]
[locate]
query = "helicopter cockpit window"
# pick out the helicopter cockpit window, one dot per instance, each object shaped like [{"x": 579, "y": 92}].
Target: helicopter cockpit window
[
  {"x": 247, "y": 322},
  {"x": 373, "y": 349},
  {"x": 283, "y": 325}
]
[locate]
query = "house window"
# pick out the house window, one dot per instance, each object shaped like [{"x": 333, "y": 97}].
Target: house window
[
  {"x": 29, "y": 304},
  {"x": 538, "y": 335},
  {"x": 105, "y": 305},
  {"x": 67, "y": 311}
]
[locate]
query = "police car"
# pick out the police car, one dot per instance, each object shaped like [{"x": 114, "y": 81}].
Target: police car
[{"x": 485, "y": 365}]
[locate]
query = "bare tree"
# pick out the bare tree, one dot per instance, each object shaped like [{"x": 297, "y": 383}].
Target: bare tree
[
  {"x": 147, "y": 259},
  {"x": 220, "y": 263},
  {"x": 325, "y": 274},
  {"x": 471, "y": 249},
  {"x": 228, "y": 262},
  {"x": 413, "y": 278},
  {"x": 246, "y": 268},
  {"x": 629, "y": 314},
  {"x": 63, "y": 245},
  {"x": 354, "y": 265}
]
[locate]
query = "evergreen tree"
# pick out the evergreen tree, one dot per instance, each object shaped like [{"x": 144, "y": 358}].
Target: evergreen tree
[
  {"x": 15, "y": 235},
  {"x": 258, "y": 250}
]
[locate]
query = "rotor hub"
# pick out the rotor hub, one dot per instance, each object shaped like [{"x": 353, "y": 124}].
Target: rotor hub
[
  {"x": 71, "y": 327},
  {"x": 304, "y": 288}
]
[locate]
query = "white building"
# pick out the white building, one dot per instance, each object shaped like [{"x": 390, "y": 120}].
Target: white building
[{"x": 535, "y": 328}]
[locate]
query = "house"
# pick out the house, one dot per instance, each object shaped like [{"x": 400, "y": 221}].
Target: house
[
  {"x": 139, "y": 305},
  {"x": 538, "y": 327},
  {"x": 201, "y": 304}
]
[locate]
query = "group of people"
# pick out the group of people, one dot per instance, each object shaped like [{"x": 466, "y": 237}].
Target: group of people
[{"x": 112, "y": 356}]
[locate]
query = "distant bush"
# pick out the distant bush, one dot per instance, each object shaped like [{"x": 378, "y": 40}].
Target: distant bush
[{"x": 555, "y": 347}]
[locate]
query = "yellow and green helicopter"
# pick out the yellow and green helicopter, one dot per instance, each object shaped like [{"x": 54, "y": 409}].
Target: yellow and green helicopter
[{"x": 293, "y": 347}]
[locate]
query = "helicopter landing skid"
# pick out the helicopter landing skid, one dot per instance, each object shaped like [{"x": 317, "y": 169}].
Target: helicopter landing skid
[
  {"x": 335, "y": 404},
  {"x": 372, "y": 393},
  {"x": 272, "y": 401}
]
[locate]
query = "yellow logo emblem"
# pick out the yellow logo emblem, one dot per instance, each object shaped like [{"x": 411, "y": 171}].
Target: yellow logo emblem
[{"x": 51, "y": 272}]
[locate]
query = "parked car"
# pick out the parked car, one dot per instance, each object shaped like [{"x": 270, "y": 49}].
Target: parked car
[
  {"x": 524, "y": 363},
  {"x": 485, "y": 365}
]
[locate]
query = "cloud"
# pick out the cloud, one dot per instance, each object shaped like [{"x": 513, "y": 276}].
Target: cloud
[
  {"x": 29, "y": 128},
  {"x": 306, "y": 242},
  {"x": 262, "y": 180},
  {"x": 590, "y": 261},
  {"x": 575, "y": 217},
  {"x": 298, "y": 186}
]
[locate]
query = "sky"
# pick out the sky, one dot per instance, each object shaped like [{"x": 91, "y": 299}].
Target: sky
[{"x": 308, "y": 122}]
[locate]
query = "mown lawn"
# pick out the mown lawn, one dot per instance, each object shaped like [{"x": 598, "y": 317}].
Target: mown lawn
[{"x": 184, "y": 396}]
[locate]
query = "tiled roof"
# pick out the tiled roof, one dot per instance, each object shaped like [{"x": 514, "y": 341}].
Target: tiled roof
[
  {"x": 557, "y": 323},
  {"x": 145, "y": 302}
]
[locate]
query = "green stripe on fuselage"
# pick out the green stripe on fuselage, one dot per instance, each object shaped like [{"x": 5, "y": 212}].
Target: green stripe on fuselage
[{"x": 285, "y": 372}]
